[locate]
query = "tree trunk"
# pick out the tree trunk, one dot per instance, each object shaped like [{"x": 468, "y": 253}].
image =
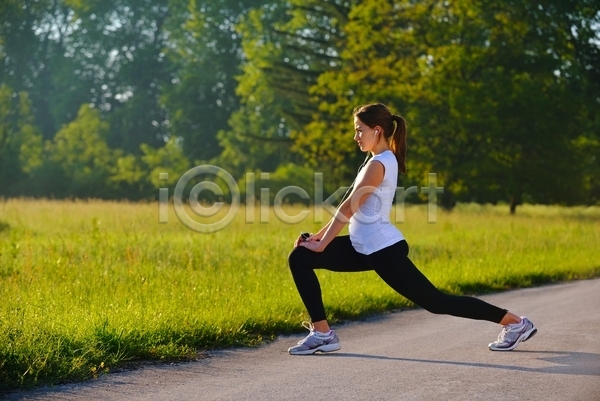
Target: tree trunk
[{"x": 513, "y": 204}]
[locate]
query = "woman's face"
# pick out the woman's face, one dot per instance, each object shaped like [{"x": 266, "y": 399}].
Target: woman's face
[{"x": 365, "y": 137}]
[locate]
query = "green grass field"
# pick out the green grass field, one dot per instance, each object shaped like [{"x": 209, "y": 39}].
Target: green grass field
[{"x": 88, "y": 286}]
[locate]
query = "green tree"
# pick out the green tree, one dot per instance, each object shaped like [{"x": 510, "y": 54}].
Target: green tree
[
  {"x": 492, "y": 92},
  {"x": 258, "y": 138},
  {"x": 20, "y": 141},
  {"x": 286, "y": 46},
  {"x": 34, "y": 53},
  {"x": 206, "y": 55},
  {"x": 129, "y": 178},
  {"x": 169, "y": 159},
  {"x": 118, "y": 46},
  {"x": 81, "y": 153}
]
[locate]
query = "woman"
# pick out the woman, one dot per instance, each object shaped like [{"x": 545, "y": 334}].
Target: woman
[{"x": 376, "y": 244}]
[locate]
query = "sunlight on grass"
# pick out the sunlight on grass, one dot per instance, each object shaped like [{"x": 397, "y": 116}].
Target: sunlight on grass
[{"x": 89, "y": 285}]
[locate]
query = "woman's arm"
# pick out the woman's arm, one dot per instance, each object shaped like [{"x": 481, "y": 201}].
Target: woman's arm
[
  {"x": 322, "y": 231},
  {"x": 373, "y": 176}
]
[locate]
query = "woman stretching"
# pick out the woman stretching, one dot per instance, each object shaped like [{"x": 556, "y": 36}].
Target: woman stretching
[{"x": 376, "y": 244}]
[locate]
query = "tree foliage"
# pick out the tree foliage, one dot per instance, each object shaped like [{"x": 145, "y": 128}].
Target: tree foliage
[
  {"x": 20, "y": 140},
  {"x": 81, "y": 153},
  {"x": 97, "y": 98},
  {"x": 494, "y": 92}
]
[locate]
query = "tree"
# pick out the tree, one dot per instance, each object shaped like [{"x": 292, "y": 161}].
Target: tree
[
  {"x": 34, "y": 38},
  {"x": 258, "y": 137},
  {"x": 484, "y": 87},
  {"x": 286, "y": 46},
  {"x": 80, "y": 150},
  {"x": 168, "y": 159},
  {"x": 20, "y": 141},
  {"x": 119, "y": 49},
  {"x": 204, "y": 50}
]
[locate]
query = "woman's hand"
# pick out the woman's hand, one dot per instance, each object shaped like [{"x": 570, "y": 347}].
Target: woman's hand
[
  {"x": 313, "y": 245},
  {"x": 317, "y": 236},
  {"x": 312, "y": 238},
  {"x": 299, "y": 240}
]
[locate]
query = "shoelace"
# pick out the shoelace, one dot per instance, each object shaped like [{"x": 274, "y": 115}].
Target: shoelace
[
  {"x": 503, "y": 333},
  {"x": 507, "y": 329},
  {"x": 309, "y": 326}
]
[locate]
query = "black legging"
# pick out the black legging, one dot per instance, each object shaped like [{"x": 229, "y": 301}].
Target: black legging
[{"x": 394, "y": 267}]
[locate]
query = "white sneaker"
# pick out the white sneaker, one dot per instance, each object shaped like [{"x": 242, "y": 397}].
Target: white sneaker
[
  {"x": 513, "y": 334},
  {"x": 315, "y": 341}
]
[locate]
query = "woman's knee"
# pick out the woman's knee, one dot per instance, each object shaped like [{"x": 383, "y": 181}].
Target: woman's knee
[{"x": 296, "y": 257}]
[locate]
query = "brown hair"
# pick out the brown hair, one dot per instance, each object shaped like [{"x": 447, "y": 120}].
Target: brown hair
[{"x": 377, "y": 114}]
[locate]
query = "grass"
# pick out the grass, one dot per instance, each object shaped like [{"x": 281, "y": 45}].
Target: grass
[{"x": 86, "y": 287}]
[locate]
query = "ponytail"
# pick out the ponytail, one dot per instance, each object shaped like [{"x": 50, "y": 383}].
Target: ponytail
[{"x": 398, "y": 142}]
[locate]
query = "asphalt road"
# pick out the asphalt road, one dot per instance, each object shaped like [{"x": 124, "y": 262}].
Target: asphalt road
[{"x": 409, "y": 355}]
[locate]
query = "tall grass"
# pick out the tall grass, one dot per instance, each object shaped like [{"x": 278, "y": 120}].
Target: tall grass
[{"x": 88, "y": 286}]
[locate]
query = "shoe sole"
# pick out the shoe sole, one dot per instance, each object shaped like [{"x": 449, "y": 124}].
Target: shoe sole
[
  {"x": 322, "y": 348},
  {"x": 524, "y": 337},
  {"x": 532, "y": 333}
]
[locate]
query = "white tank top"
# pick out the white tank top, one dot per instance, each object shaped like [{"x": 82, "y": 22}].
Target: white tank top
[{"x": 370, "y": 227}]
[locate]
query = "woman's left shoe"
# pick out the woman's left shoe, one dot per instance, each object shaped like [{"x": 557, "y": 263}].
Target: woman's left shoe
[
  {"x": 513, "y": 334},
  {"x": 315, "y": 341}
]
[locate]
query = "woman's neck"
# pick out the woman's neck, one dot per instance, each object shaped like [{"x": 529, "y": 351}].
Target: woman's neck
[{"x": 381, "y": 147}]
